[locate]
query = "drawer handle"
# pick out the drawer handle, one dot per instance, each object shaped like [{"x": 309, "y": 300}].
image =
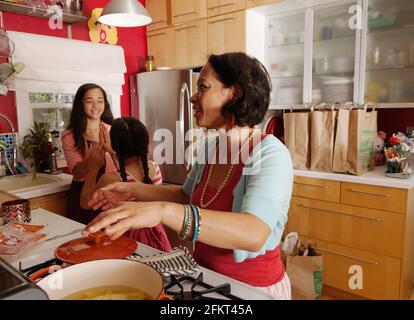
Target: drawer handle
[
  {"x": 156, "y": 35},
  {"x": 185, "y": 14},
  {"x": 189, "y": 27},
  {"x": 223, "y": 5},
  {"x": 222, "y": 20},
  {"x": 347, "y": 256},
  {"x": 370, "y": 193},
  {"x": 341, "y": 213},
  {"x": 157, "y": 22},
  {"x": 312, "y": 185}
]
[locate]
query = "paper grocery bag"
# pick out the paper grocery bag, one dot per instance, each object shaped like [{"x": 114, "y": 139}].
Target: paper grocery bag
[
  {"x": 340, "y": 159},
  {"x": 322, "y": 139},
  {"x": 297, "y": 138},
  {"x": 361, "y": 141},
  {"x": 306, "y": 276}
]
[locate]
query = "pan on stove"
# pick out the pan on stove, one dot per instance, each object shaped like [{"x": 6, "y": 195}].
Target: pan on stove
[{"x": 104, "y": 273}]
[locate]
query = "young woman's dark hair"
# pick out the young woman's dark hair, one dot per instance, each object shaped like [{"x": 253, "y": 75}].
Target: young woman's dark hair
[
  {"x": 254, "y": 81},
  {"x": 78, "y": 120},
  {"x": 129, "y": 138}
]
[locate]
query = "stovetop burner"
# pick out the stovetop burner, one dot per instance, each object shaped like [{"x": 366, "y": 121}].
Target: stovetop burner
[{"x": 190, "y": 288}]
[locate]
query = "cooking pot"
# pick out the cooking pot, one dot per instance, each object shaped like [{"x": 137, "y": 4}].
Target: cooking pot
[{"x": 103, "y": 273}]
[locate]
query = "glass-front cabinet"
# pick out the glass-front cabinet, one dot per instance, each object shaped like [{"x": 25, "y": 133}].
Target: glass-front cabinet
[
  {"x": 389, "y": 45},
  {"x": 334, "y": 49},
  {"x": 286, "y": 57},
  {"x": 339, "y": 51}
]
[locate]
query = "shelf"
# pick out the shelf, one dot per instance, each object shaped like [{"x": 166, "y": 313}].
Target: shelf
[
  {"x": 378, "y": 106},
  {"x": 289, "y": 44},
  {"x": 349, "y": 74},
  {"x": 335, "y": 38},
  {"x": 390, "y": 29},
  {"x": 409, "y": 68},
  {"x": 287, "y": 76},
  {"x": 38, "y": 12}
]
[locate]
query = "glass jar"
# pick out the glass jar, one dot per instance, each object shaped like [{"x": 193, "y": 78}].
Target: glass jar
[{"x": 149, "y": 63}]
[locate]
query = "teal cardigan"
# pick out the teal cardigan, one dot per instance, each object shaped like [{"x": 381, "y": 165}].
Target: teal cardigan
[{"x": 264, "y": 189}]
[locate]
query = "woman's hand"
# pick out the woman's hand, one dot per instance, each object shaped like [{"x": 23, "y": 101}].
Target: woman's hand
[
  {"x": 127, "y": 215},
  {"x": 109, "y": 196}
]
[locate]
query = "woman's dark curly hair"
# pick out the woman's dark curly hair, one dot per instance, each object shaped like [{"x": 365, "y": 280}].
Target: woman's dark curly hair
[
  {"x": 129, "y": 138},
  {"x": 237, "y": 68},
  {"x": 78, "y": 119}
]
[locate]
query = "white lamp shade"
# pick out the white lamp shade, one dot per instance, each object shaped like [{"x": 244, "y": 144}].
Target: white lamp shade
[{"x": 125, "y": 13}]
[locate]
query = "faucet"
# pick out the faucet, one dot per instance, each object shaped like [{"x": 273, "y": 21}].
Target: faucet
[{"x": 11, "y": 167}]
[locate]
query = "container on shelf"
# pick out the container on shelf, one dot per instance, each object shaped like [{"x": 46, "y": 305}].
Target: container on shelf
[{"x": 337, "y": 90}]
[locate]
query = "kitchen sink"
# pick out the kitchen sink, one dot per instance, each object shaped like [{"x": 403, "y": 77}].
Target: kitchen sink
[{"x": 26, "y": 187}]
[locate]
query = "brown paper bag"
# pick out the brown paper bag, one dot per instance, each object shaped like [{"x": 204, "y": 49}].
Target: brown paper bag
[
  {"x": 306, "y": 276},
  {"x": 322, "y": 139},
  {"x": 361, "y": 141},
  {"x": 340, "y": 159},
  {"x": 297, "y": 138}
]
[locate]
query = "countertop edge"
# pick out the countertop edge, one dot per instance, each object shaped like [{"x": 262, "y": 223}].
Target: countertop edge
[{"x": 376, "y": 177}]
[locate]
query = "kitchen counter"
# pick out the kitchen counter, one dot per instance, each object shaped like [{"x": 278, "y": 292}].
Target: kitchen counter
[
  {"x": 24, "y": 186},
  {"x": 57, "y": 225},
  {"x": 376, "y": 178}
]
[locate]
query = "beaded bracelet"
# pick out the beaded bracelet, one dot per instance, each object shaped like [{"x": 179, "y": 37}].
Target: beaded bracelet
[{"x": 185, "y": 230}]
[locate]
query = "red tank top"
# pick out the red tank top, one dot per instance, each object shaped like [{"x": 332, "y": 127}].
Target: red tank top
[{"x": 264, "y": 270}]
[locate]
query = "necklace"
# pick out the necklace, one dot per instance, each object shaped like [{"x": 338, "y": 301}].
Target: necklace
[{"x": 210, "y": 171}]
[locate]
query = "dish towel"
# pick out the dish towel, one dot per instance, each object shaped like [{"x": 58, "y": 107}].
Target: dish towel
[{"x": 177, "y": 262}]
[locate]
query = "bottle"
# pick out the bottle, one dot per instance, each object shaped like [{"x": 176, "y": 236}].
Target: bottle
[{"x": 149, "y": 63}]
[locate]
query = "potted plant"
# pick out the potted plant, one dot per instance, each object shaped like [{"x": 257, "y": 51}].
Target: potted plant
[{"x": 35, "y": 146}]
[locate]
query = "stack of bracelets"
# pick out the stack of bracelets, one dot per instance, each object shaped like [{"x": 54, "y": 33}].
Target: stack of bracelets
[{"x": 192, "y": 217}]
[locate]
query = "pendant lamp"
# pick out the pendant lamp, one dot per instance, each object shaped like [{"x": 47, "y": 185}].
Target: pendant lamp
[{"x": 125, "y": 13}]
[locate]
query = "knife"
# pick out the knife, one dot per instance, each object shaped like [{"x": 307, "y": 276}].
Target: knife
[{"x": 64, "y": 235}]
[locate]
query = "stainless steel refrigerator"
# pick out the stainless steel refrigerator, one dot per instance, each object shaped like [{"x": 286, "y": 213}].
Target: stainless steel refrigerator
[{"x": 160, "y": 99}]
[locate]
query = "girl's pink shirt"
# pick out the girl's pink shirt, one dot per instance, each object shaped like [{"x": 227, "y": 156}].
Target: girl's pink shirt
[{"x": 73, "y": 155}]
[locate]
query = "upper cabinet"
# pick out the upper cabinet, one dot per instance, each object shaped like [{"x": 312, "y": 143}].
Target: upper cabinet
[
  {"x": 160, "y": 12},
  {"x": 339, "y": 51},
  {"x": 286, "y": 51},
  {"x": 161, "y": 45},
  {"x": 187, "y": 10},
  {"x": 335, "y": 48},
  {"x": 389, "y": 52},
  {"x": 256, "y": 3},
  {"x": 227, "y": 33},
  {"x": 217, "y": 7}
]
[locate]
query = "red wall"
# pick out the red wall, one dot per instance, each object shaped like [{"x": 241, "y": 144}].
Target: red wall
[{"x": 133, "y": 40}]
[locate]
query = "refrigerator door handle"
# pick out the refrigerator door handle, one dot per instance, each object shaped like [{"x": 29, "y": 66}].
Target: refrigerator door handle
[{"x": 185, "y": 98}]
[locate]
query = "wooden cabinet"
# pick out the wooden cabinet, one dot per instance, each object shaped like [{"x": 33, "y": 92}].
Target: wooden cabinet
[
  {"x": 380, "y": 274},
  {"x": 359, "y": 225},
  {"x": 256, "y": 3},
  {"x": 217, "y": 7},
  {"x": 56, "y": 203},
  {"x": 317, "y": 189},
  {"x": 188, "y": 10},
  {"x": 161, "y": 44},
  {"x": 160, "y": 12},
  {"x": 190, "y": 44},
  {"x": 227, "y": 33}
]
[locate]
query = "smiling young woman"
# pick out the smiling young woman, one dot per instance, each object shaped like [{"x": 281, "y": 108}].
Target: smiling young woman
[
  {"x": 234, "y": 212},
  {"x": 86, "y": 143}
]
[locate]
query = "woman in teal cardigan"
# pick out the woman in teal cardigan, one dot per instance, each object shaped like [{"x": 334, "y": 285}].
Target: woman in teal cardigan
[{"x": 234, "y": 208}]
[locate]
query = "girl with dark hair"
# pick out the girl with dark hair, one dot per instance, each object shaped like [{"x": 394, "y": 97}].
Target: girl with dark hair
[
  {"x": 235, "y": 211},
  {"x": 85, "y": 140},
  {"x": 130, "y": 140}
]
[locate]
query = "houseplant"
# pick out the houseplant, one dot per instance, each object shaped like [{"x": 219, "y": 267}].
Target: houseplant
[{"x": 35, "y": 146}]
